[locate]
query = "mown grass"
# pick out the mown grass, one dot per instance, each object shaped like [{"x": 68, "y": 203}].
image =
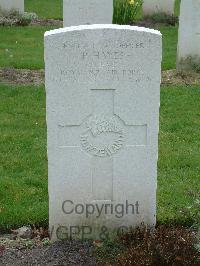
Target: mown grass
[
  {"x": 45, "y": 8},
  {"x": 170, "y": 39},
  {"x": 179, "y": 146},
  {"x": 23, "y": 169},
  {"x": 22, "y": 47}
]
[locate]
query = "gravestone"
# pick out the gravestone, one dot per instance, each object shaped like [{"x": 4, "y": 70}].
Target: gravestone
[
  {"x": 8, "y": 5},
  {"x": 79, "y": 12},
  {"x": 102, "y": 89},
  {"x": 151, "y": 7},
  {"x": 188, "y": 54}
]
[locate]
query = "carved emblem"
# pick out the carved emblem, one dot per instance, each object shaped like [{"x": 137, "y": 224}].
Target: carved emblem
[{"x": 102, "y": 135}]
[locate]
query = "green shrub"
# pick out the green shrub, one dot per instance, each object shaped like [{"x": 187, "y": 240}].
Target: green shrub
[
  {"x": 14, "y": 18},
  {"x": 125, "y": 11}
]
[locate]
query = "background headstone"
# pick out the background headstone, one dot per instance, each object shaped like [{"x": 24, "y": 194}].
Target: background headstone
[
  {"x": 103, "y": 90},
  {"x": 151, "y": 7},
  {"x": 188, "y": 54},
  {"x": 8, "y": 5},
  {"x": 83, "y": 12}
]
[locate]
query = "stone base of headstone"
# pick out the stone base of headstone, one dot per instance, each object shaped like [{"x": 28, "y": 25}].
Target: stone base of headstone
[
  {"x": 188, "y": 52},
  {"x": 188, "y": 64},
  {"x": 12, "y": 5},
  {"x": 151, "y": 7},
  {"x": 86, "y": 12}
]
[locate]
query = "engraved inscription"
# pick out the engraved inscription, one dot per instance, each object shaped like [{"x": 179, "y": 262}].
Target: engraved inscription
[
  {"x": 118, "y": 44},
  {"x": 103, "y": 136},
  {"x": 91, "y": 75}
]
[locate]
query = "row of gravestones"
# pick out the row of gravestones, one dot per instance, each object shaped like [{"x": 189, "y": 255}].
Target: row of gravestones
[
  {"x": 7, "y": 5},
  {"x": 79, "y": 12},
  {"x": 103, "y": 97},
  {"x": 87, "y": 12},
  {"x": 149, "y": 7}
]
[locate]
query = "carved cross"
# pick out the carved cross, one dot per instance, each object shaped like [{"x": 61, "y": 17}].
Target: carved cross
[{"x": 102, "y": 136}]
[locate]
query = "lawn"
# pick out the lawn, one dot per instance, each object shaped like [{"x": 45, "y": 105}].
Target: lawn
[
  {"x": 23, "y": 171},
  {"x": 22, "y": 47},
  {"x": 45, "y": 8}
]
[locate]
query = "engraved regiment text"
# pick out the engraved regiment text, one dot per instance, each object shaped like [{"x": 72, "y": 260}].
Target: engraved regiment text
[{"x": 103, "y": 136}]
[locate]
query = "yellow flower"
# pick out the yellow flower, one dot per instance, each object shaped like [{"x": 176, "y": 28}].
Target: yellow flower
[{"x": 131, "y": 2}]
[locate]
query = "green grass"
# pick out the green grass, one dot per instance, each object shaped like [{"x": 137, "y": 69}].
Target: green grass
[
  {"x": 22, "y": 47},
  {"x": 179, "y": 146},
  {"x": 177, "y": 7},
  {"x": 23, "y": 169},
  {"x": 170, "y": 39},
  {"x": 45, "y": 8}
]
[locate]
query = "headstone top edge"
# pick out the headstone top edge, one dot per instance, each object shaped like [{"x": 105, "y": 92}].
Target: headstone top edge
[{"x": 101, "y": 26}]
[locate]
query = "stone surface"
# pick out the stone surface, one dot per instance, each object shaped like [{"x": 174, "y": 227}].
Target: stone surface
[
  {"x": 8, "y": 5},
  {"x": 103, "y": 90},
  {"x": 24, "y": 232},
  {"x": 188, "y": 54},
  {"x": 151, "y": 7},
  {"x": 79, "y": 12}
]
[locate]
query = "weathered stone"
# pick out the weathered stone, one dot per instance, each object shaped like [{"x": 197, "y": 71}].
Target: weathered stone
[
  {"x": 151, "y": 7},
  {"x": 79, "y": 12},
  {"x": 188, "y": 54},
  {"x": 8, "y": 5},
  {"x": 103, "y": 89},
  {"x": 24, "y": 232}
]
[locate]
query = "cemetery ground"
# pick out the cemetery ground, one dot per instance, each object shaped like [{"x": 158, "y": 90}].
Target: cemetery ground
[{"x": 23, "y": 170}]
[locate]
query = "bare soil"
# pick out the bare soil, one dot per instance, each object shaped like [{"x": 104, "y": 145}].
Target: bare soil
[
  {"x": 13, "y": 76},
  {"x": 156, "y": 21},
  {"x": 146, "y": 22},
  {"x": 58, "y": 253},
  {"x": 172, "y": 77},
  {"x": 149, "y": 23},
  {"x": 47, "y": 22},
  {"x": 166, "y": 245}
]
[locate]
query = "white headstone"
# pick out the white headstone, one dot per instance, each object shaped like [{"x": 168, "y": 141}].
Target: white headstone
[
  {"x": 103, "y": 90},
  {"x": 8, "y": 5},
  {"x": 83, "y": 12},
  {"x": 189, "y": 35},
  {"x": 151, "y": 7}
]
